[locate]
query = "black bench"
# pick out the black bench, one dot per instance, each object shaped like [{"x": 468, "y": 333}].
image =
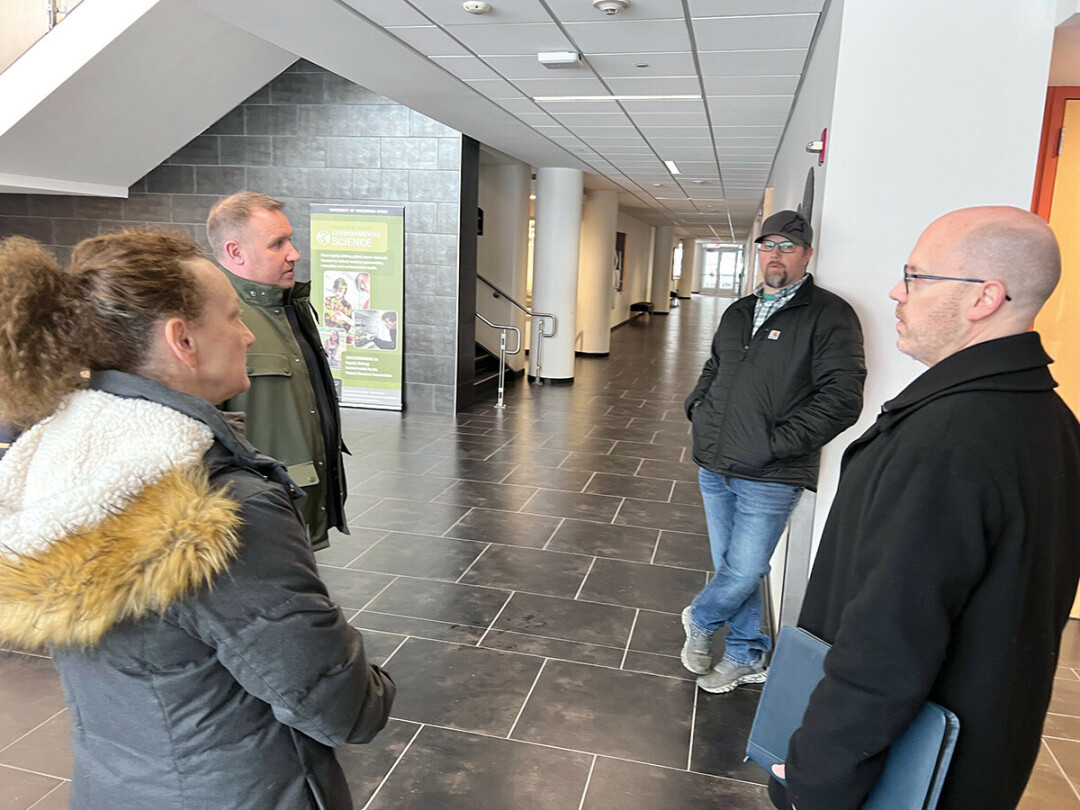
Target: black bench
[{"x": 641, "y": 306}]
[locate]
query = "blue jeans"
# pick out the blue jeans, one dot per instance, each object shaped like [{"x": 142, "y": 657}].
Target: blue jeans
[{"x": 745, "y": 520}]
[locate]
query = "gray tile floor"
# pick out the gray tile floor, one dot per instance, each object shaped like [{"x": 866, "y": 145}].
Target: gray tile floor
[{"x": 520, "y": 573}]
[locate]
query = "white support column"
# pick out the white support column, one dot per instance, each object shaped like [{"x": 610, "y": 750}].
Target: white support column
[
  {"x": 596, "y": 272},
  {"x": 661, "y": 269},
  {"x": 699, "y": 264},
  {"x": 557, "y": 241},
  {"x": 686, "y": 274}
]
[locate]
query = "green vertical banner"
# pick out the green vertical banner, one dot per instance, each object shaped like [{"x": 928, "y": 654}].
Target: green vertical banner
[{"x": 358, "y": 289}]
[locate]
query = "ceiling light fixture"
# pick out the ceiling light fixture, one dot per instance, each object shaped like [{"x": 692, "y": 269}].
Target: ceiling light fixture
[
  {"x": 616, "y": 98},
  {"x": 671, "y": 167},
  {"x": 558, "y": 59}
]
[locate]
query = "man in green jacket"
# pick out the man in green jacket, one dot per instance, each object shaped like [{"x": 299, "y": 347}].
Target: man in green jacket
[{"x": 291, "y": 409}]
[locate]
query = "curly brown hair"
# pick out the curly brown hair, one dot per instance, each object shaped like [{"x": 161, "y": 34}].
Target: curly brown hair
[{"x": 99, "y": 314}]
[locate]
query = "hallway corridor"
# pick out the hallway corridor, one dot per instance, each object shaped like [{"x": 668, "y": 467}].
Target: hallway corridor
[{"x": 521, "y": 573}]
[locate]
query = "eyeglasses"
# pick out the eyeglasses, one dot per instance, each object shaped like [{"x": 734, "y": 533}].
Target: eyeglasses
[
  {"x": 784, "y": 247},
  {"x": 908, "y": 276}
]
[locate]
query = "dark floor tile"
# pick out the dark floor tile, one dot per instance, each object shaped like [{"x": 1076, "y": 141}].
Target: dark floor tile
[
  {"x": 29, "y": 694},
  {"x": 536, "y": 456},
  {"x": 410, "y": 516},
  {"x": 472, "y": 470},
  {"x": 619, "y": 785},
  {"x": 674, "y": 470},
  {"x": 390, "y": 625},
  {"x": 652, "y": 587},
  {"x": 56, "y": 799},
  {"x": 585, "y": 708},
  {"x": 451, "y": 770},
  {"x": 721, "y": 726},
  {"x": 1066, "y": 697},
  {"x": 580, "y": 444},
  {"x": 1062, "y": 725},
  {"x": 1070, "y": 644},
  {"x": 389, "y": 462},
  {"x": 467, "y": 688},
  {"x": 642, "y": 435},
  {"x": 678, "y": 517},
  {"x": 630, "y": 486},
  {"x": 397, "y": 485},
  {"x": 656, "y": 632},
  {"x": 378, "y": 646},
  {"x": 1067, "y": 753},
  {"x": 550, "y": 478},
  {"x": 553, "y": 648},
  {"x": 556, "y": 503},
  {"x": 528, "y": 569},
  {"x": 653, "y": 664},
  {"x": 350, "y": 588},
  {"x": 623, "y": 465},
  {"x": 45, "y": 750},
  {"x": 439, "y": 601},
  {"x": 486, "y": 494},
  {"x": 462, "y": 448},
  {"x": 684, "y": 550},
  {"x": 507, "y": 528},
  {"x": 344, "y": 548},
  {"x": 1048, "y": 788},
  {"x": 567, "y": 619},
  {"x": 419, "y": 555},
  {"x": 23, "y": 789},
  {"x": 644, "y": 449},
  {"x": 604, "y": 540},
  {"x": 686, "y": 492},
  {"x": 366, "y": 766}
]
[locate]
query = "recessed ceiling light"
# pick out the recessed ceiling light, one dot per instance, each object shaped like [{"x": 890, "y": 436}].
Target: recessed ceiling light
[
  {"x": 642, "y": 65},
  {"x": 696, "y": 97},
  {"x": 671, "y": 167}
]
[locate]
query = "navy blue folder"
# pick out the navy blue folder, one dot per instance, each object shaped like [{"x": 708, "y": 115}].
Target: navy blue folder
[{"x": 916, "y": 765}]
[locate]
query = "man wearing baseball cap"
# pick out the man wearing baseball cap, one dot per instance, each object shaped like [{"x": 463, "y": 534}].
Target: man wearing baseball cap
[{"x": 785, "y": 376}]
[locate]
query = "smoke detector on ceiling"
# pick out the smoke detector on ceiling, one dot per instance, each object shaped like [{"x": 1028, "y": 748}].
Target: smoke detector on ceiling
[
  {"x": 611, "y": 7},
  {"x": 475, "y": 7}
]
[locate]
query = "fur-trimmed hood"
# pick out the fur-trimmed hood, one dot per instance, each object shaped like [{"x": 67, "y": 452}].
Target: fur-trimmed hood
[{"x": 107, "y": 513}]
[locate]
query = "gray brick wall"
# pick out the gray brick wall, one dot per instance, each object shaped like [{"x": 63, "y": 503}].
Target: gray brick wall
[{"x": 308, "y": 136}]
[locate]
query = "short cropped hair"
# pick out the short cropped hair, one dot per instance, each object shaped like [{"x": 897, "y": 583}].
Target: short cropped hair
[{"x": 230, "y": 215}]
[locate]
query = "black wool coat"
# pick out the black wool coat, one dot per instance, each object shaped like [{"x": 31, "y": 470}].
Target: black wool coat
[
  {"x": 764, "y": 406},
  {"x": 946, "y": 571}
]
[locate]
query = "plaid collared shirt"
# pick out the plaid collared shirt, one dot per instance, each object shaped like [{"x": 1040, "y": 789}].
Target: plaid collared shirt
[{"x": 767, "y": 304}]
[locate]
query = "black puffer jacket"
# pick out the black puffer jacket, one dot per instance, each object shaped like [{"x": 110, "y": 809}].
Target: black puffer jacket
[{"x": 764, "y": 406}]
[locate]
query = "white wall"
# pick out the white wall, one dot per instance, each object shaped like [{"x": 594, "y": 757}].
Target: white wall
[
  {"x": 637, "y": 267},
  {"x": 501, "y": 253},
  {"x": 927, "y": 117}
]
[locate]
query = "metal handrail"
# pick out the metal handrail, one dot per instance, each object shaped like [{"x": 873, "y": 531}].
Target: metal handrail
[
  {"x": 502, "y": 352},
  {"x": 540, "y": 332}
]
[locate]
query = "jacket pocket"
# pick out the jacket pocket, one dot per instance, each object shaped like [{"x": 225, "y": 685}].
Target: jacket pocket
[
  {"x": 304, "y": 474},
  {"x": 268, "y": 365}
]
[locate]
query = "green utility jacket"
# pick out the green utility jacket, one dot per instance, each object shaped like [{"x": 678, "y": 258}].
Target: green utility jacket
[{"x": 291, "y": 410}]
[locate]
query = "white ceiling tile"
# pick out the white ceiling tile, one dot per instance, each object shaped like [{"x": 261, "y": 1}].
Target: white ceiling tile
[
  {"x": 748, "y": 119},
  {"x": 713, "y": 8},
  {"x": 772, "y": 133},
  {"x": 656, "y": 86},
  {"x": 495, "y": 88},
  {"x": 680, "y": 63},
  {"x": 767, "y": 104},
  {"x": 583, "y": 11},
  {"x": 522, "y": 104},
  {"x": 651, "y": 131},
  {"x": 750, "y": 85},
  {"x": 766, "y": 62},
  {"x": 538, "y": 118},
  {"x": 560, "y": 108},
  {"x": 615, "y": 118},
  {"x": 428, "y": 39},
  {"x": 742, "y": 33},
  {"x": 465, "y": 67},
  {"x": 665, "y": 107},
  {"x": 644, "y": 36},
  {"x": 672, "y": 119},
  {"x": 383, "y": 13},
  {"x": 510, "y": 40},
  {"x": 502, "y": 11},
  {"x": 558, "y": 83}
]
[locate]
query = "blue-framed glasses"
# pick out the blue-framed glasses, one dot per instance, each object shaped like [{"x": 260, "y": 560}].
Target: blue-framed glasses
[
  {"x": 783, "y": 247},
  {"x": 909, "y": 275}
]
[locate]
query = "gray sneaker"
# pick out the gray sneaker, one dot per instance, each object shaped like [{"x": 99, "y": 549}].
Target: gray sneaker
[
  {"x": 728, "y": 674},
  {"x": 697, "y": 650}
]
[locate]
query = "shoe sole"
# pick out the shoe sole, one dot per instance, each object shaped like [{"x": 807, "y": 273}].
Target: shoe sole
[
  {"x": 682, "y": 653},
  {"x": 760, "y": 677}
]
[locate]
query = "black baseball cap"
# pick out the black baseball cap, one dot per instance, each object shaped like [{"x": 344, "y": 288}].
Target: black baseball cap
[{"x": 789, "y": 224}]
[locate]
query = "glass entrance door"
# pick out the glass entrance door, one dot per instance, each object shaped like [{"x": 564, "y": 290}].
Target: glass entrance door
[{"x": 721, "y": 272}]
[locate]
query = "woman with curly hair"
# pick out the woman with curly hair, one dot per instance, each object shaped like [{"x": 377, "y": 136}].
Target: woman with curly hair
[{"x": 155, "y": 553}]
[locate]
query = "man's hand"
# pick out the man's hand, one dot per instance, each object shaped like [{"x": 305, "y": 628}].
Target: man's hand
[{"x": 778, "y": 771}]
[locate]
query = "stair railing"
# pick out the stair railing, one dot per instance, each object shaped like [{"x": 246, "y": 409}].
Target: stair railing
[
  {"x": 541, "y": 332},
  {"x": 503, "y": 327}
]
